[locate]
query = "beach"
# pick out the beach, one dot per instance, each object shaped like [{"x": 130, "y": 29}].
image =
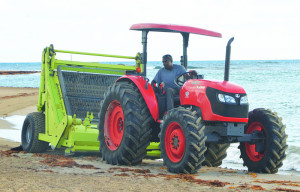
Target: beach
[{"x": 52, "y": 171}]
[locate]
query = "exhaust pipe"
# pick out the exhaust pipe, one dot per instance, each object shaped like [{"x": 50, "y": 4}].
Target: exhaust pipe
[{"x": 227, "y": 59}]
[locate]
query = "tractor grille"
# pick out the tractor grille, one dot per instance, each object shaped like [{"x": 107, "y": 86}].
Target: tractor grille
[
  {"x": 226, "y": 110},
  {"x": 82, "y": 92}
]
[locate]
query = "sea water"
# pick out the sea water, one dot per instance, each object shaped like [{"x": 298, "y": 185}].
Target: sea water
[{"x": 271, "y": 84}]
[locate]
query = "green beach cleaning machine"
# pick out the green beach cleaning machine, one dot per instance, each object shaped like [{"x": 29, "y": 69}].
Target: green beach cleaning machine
[{"x": 114, "y": 110}]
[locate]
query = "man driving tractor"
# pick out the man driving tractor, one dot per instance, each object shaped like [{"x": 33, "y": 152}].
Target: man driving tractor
[{"x": 166, "y": 76}]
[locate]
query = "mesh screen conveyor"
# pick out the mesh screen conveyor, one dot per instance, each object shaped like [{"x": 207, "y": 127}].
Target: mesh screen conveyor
[{"x": 82, "y": 92}]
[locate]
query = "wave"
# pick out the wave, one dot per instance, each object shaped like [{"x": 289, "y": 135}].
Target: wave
[
  {"x": 268, "y": 62},
  {"x": 194, "y": 67},
  {"x": 189, "y": 67},
  {"x": 291, "y": 163}
]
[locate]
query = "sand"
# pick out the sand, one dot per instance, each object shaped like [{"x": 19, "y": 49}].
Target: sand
[
  {"x": 17, "y": 100},
  {"x": 52, "y": 171}
]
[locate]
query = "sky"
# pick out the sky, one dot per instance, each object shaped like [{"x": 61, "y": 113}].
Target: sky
[{"x": 263, "y": 29}]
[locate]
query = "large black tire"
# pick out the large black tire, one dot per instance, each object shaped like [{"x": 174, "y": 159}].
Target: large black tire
[
  {"x": 33, "y": 125},
  {"x": 182, "y": 141},
  {"x": 268, "y": 155},
  {"x": 124, "y": 126},
  {"x": 215, "y": 154}
]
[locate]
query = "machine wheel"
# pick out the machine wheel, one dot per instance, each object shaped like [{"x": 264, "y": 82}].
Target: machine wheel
[
  {"x": 124, "y": 126},
  {"x": 33, "y": 125},
  {"x": 215, "y": 154},
  {"x": 182, "y": 141},
  {"x": 265, "y": 156}
]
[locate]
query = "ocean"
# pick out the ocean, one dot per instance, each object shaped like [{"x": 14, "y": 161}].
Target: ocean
[{"x": 271, "y": 84}]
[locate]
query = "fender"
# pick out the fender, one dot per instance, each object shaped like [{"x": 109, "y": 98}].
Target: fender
[
  {"x": 193, "y": 92},
  {"x": 148, "y": 94}
]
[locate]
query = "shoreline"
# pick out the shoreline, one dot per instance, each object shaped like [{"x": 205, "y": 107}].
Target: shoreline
[{"x": 53, "y": 169}]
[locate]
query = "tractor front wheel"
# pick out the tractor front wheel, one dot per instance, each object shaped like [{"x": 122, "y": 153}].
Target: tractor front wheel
[
  {"x": 33, "y": 125},
  {"x": 124, "y": 126},
  {"x": 182, "y": 141},
  {"x": 267, "y": 154}
]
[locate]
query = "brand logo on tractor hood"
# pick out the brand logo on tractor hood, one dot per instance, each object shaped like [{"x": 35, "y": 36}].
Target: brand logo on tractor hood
[
  {"x": 237, "y": 95},
  {"x": 200, "y": 87}
]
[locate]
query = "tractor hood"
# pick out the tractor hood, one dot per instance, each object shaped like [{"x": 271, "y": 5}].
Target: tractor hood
[
  {"x": 224, "y": 86},
  {"x": 204, "y": 94}
]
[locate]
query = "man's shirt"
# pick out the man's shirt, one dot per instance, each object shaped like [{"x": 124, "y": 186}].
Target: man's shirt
[{"x": 168, "y": 76}]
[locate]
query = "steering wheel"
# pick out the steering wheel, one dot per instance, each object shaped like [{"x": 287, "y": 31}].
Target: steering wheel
[{"x": 181, "y": 79}]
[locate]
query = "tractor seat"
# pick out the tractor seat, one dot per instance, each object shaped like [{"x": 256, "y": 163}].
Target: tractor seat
[{"x": 162, "y": 104}]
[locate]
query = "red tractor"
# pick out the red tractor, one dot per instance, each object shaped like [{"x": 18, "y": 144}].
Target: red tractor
[{"x": 208, "y": 116}]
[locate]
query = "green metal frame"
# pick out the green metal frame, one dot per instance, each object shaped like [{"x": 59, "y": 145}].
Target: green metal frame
[{"x": 62, "y": 130}]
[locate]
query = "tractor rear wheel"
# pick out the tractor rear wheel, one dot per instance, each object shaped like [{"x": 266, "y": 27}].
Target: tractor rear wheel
[
  {"x": 215, "y": 154},
  {"x": 182, "y": 141},
  {"x": 33, "y": 125},
  {"x": 265, "y": 156},
  {"x": 124, "y": 126}
]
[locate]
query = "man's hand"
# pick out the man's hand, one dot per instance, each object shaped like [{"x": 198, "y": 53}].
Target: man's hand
[
  {"x": 162, "y": 86},
  {"x": 154, "y": 86},
  {"x": 193, "y": 73}
]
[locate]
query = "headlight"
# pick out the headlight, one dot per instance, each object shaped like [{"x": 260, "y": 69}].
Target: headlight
[
  {"x": 244, "y": 100},
  {"x": 226, "y": 99}
]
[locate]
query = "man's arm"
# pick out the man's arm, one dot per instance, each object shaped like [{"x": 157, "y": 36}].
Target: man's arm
[{"x": 157, "y": 78}]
